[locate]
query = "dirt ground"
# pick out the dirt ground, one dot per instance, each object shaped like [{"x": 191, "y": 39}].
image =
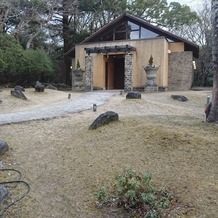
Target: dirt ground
[{"x": 65, "y": 163}]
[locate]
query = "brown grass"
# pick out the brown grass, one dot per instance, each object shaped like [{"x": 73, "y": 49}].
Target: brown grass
[{"x": 65, "y": 163}]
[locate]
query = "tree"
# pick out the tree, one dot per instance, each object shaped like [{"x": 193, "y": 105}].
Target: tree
[
  {"x": 25, "y": 19},
  {"x": 20, "y": 65},
  {"x": 4, "y": 11},
  {"x": 172, "y": 16},
  {"x": 201, "y": 34},
  {"x": 213, "y": 114}
]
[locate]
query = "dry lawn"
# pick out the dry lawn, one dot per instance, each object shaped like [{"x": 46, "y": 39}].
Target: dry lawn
[{"x": 65, "y": 163}]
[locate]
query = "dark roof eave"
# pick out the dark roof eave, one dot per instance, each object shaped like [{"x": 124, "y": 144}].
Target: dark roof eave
[
  {"x": 70, "y": 52},
  {"x": 109, "y": 49}
]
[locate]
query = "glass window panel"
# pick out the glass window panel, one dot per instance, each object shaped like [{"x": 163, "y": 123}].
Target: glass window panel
[
  {"x": 145, "y": 33},
  {"x": 133, "y": 26},
  {"x": 170, "y": 40},
  {"x": 134, "y": 35}
]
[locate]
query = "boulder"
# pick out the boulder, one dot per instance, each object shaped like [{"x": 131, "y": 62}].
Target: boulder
[
  {"x": 62, "y": 86},
  {"x": 104, "y": 118},
  {"x": 39, "y": 87},
  {"x": 133, "y": 95},
  {"x": 3, "y": 147},
  {"x": 20, "y": 88},
  {"x": 18, "y": 94},
  {"x": 179, "y": 97},
  {"x": 50, "y": 86},
  {"x": 3, "y": 193}
]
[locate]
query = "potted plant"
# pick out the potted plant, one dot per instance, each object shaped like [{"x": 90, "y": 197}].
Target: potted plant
[{"x": 151, "y": 72}]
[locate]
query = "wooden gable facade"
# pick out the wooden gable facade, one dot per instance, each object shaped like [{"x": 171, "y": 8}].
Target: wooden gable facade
[{"x": 114, "y": 57}]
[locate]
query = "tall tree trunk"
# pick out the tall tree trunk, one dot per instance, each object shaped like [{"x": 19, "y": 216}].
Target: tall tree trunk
[
  {"x": 213, "y": 115},
  {"x": 67, "y": 44},
  {"x": 32, "y": 37},
  {"x": 4, "y": 12}
]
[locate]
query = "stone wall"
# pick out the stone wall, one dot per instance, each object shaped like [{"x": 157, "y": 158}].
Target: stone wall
[
  {"x": 181, "y": 73},
  {"x": 88, "y": 73},
  {"x": 128, "y": 73}
]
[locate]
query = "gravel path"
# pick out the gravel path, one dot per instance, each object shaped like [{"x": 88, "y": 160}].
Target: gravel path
[
  {"x": 46, "y": 107},
  {"x": 84, "y": 102}
]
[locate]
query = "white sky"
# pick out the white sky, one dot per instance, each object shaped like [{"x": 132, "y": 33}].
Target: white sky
[{"x": 193, "y": 4}]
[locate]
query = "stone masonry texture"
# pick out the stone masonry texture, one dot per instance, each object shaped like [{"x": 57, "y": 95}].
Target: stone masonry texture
[
  {"x": 128, "y": 73},
  {"x": 180, "y": 75},
  {"x": 89, "y": 73}
]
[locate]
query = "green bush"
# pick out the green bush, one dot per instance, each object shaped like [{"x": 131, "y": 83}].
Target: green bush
[
  {"x": 19, "y": 65},
  {"x": 137, "y": 195},
  {"x": 38, "y": 65}
]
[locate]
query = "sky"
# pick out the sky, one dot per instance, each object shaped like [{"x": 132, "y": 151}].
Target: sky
[{"x": 193, "y": 4}]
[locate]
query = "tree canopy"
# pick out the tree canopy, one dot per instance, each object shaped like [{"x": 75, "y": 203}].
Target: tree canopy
[{"x": 20, "y": 65}]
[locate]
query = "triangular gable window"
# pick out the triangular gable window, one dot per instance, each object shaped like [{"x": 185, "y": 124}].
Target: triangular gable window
[
  {"x": 145, "y": 33},
  {"x": 128, "y": 30}
]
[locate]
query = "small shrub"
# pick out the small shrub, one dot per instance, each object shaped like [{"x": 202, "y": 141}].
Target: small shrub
[
  {"x": 150, "y": 61},
  {"x": 101, "y": 194},
  {"x": 78, "y": 65},
  {"x": 137, "y": 195}
]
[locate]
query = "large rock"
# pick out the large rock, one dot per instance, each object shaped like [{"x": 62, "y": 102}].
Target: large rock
[
  {"x": 179, "y": 97},
  {"x": 18, "y": 94},
  {"x": 133, "y": 95},
  {"x": 50, "y": 86},
  {"x": 3, "y": 147},
  {"x": 3, "y": 193},
  {"x": 20, "y": 88},
  {"x": 104, "y": 118},
  {"x": 39, "y": 87}
]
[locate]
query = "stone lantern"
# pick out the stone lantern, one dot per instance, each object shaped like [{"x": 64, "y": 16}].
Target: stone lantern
[
  {"x": 151, "y": 74},
  {"x": 77, "y": 78}
]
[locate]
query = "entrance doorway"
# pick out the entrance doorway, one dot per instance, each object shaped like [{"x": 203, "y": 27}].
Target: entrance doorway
[{"x": 114, "y": 71}]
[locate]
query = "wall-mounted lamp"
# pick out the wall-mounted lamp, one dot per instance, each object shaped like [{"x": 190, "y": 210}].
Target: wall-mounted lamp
[{"x": 194, "y": 65}]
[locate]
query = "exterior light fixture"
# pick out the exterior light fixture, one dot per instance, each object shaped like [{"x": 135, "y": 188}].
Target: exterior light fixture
[
  {"x": 94, "y": 107},
  {"x": 194, "y": 65},
  {"x": 208, "y": 99}
]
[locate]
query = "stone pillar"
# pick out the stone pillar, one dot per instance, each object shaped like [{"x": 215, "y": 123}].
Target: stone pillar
[
  {"x": 128, "y": 73},
  {"x": 88, "y": 73}
]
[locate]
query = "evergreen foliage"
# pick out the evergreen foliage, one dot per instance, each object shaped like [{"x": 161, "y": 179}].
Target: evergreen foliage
[{"x": 19, "y": 65}]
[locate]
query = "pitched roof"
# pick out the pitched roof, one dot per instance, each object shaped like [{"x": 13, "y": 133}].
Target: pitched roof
[{"x": 189, "y": 46}]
